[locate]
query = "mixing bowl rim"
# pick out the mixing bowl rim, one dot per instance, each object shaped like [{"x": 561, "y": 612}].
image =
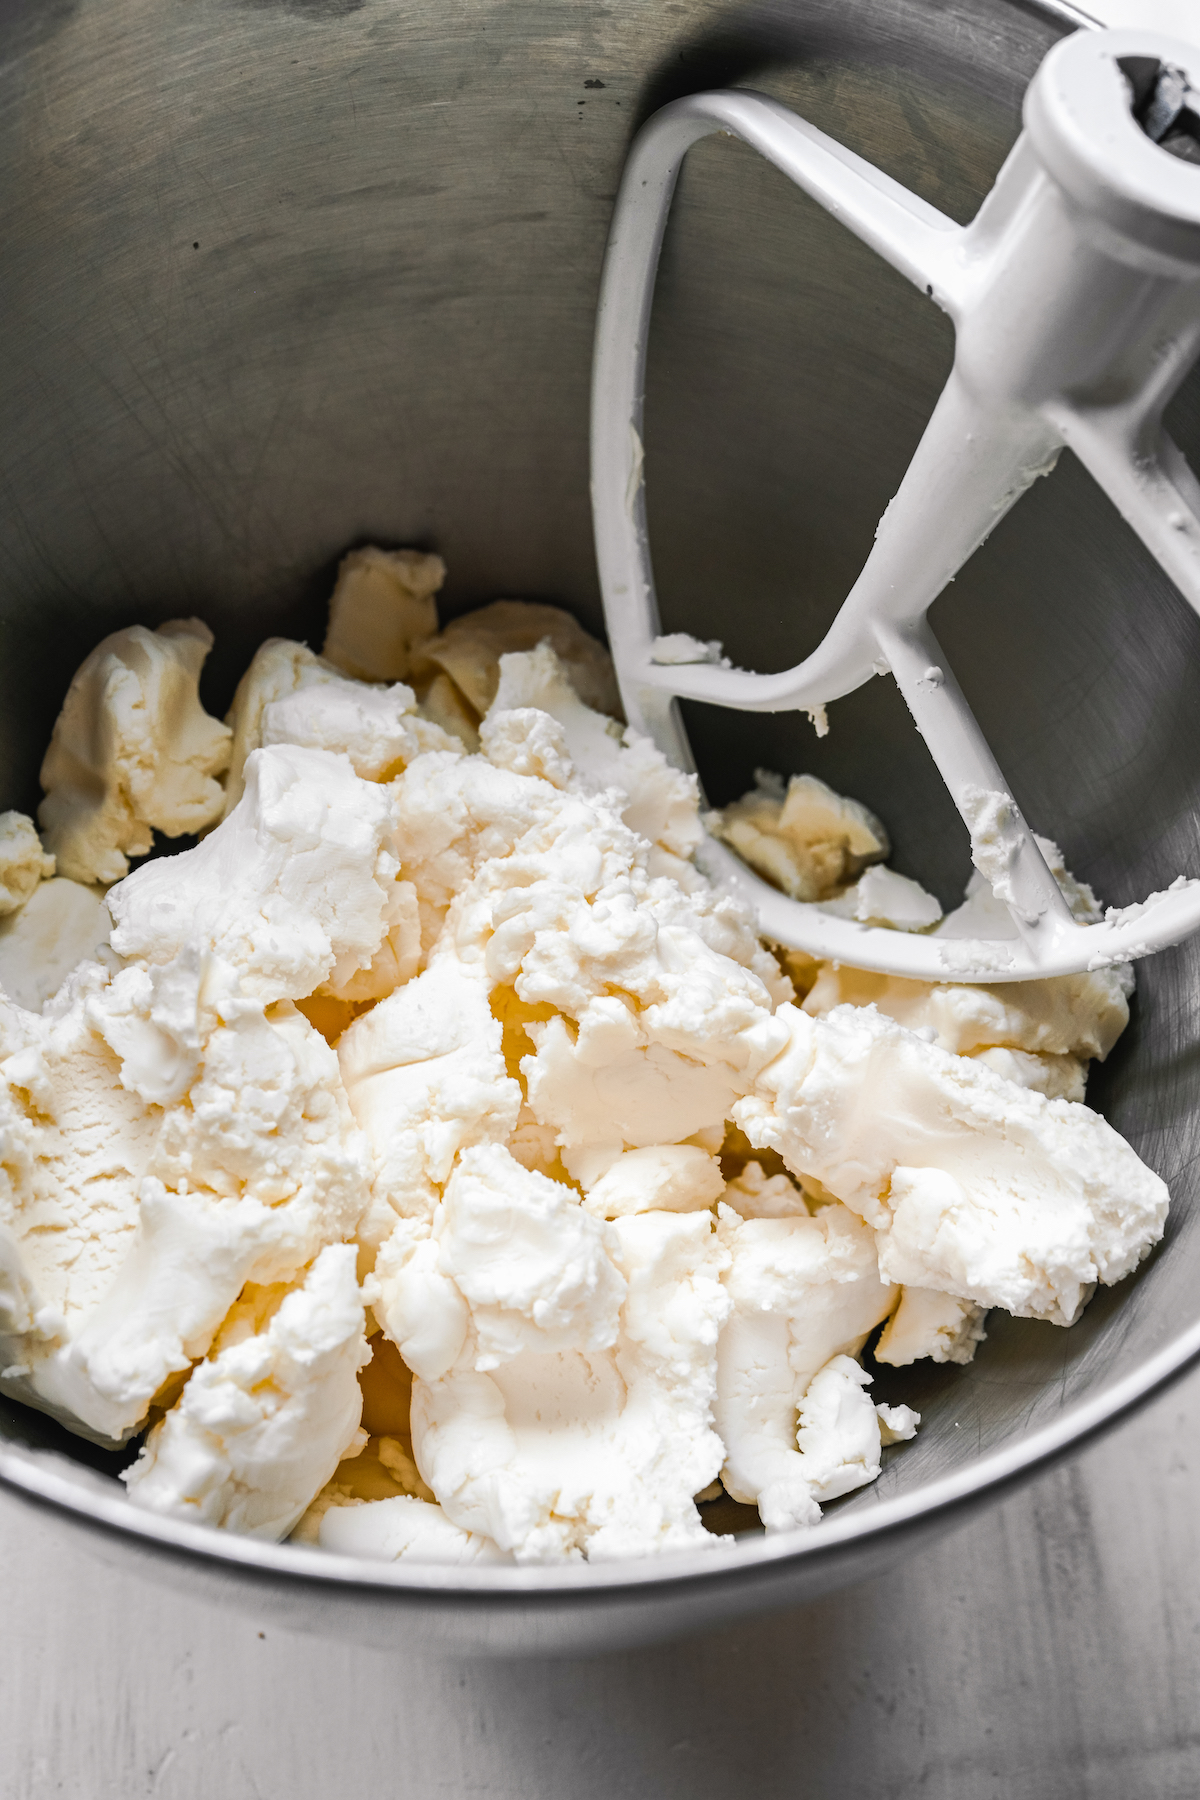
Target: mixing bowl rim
[
  {"x": 30, "y": 1476},
  {"x": 1064, "y": 12}
]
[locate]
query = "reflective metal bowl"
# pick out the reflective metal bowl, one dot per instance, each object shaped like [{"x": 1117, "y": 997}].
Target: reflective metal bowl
[{"x": 284, "y": 275}]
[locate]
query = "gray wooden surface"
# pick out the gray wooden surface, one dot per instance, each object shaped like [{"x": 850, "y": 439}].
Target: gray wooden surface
[{"x": 1050, "y": 1648}]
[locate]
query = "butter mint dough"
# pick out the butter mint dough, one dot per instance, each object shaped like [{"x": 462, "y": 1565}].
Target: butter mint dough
[{"x": 435, "y": 1166}]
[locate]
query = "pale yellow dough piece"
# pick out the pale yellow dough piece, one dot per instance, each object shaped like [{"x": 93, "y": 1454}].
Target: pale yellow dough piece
[
  {"x": 381, "y": 607},
  {"x": 470, "y": 648},
  {"x": 808, "y": 841},
  {"x": 23, "y": 862},
  {"x": 133, "y": 752}
]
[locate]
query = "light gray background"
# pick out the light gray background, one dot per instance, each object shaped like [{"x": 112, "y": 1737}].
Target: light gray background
[{"x": 1051, "y": 1648}]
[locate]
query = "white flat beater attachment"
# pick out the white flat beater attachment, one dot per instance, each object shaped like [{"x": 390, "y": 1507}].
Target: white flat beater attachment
[{"x": 1075, "y": 295}]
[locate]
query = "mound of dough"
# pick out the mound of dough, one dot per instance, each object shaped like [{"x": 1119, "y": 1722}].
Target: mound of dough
[
  {"x": 382, "y": 607},
  {"x": 808, "y": 840},
  {"x": 133, "y": 752},
  {"x": 468, "y": 651}
]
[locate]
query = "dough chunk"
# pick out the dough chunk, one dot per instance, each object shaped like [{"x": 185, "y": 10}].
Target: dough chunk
[
  {"x": 662, "y": 1178},
  {"x": 974, "y": 1186},
  {"x": 265, "y": 1419},
  {"x": 805, "y": 1293},
  {"x": 280, "y": 667},
  {"x": 378, "y": 728},
  {"x": 403, "y": 1529},
  {"x": 927, "y": 1324},
  {"x": 808, "y": 841},
  {"x": 23, "y": 862},
  {"x": 297, "y": 886},
  {"x": 575, "y": 1414},
  {"x": 470, "y": 648},
  {"x": 663, "y": 802},
  {"x": 382, "y": 606},
  {"x": 133, "y": 752},
  {"x": 166, "y": 1146}
]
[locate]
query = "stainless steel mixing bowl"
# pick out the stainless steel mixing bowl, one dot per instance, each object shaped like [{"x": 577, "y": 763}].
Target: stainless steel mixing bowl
[{"x": 279, "y": 276}]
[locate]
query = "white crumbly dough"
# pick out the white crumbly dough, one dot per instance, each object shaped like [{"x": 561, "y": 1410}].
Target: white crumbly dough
[
  {"x": 545, "y": 888},
  {"x": 984, "y": 914},
  {"x": 182, "y": 1130},
  {"x": 290, "y": 696},
  {"x": 996, "y": 842},
  {"x": 1039, "y": 1034},
  {"x": 996, "y": 837},
  {"x": 840, "y": 1433},
  {"x": 280, "y": 668},
  {"x": 75, "y": 1148},
  {"x": 378, "y": 728},
  {"x": 675, "y": 647},
  {"x": 294, "y": 890},
  {"x": 133, "y": 752},
  {"x": 806, "y": 1293},
  {"x": 808, "y": 840},
  {"x": 24, "y": 865},
  {"x": 644, "y": 1030},
  {"x": 1058, "y": 1077},
  {"x": 974, "y": 1186},
  {"x": 662, "y": 800},
  {"x": 551, "y": 893},
  {"x": 61, "y": 925},
  {"x": 756, "y": 1195},
  {"x": 424, "y": 1073},
  {"x": 569, "y": 1409},
  {"x": 663, "y": 1178},
  {"x": 130, "y": 1225},
  {"x": 543, "y": 1015},
  {"x": 265, "y": 1419}
]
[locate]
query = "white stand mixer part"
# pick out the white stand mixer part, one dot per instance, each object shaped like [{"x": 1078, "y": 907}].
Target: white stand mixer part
[{"x": 1075, "y": 295}]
